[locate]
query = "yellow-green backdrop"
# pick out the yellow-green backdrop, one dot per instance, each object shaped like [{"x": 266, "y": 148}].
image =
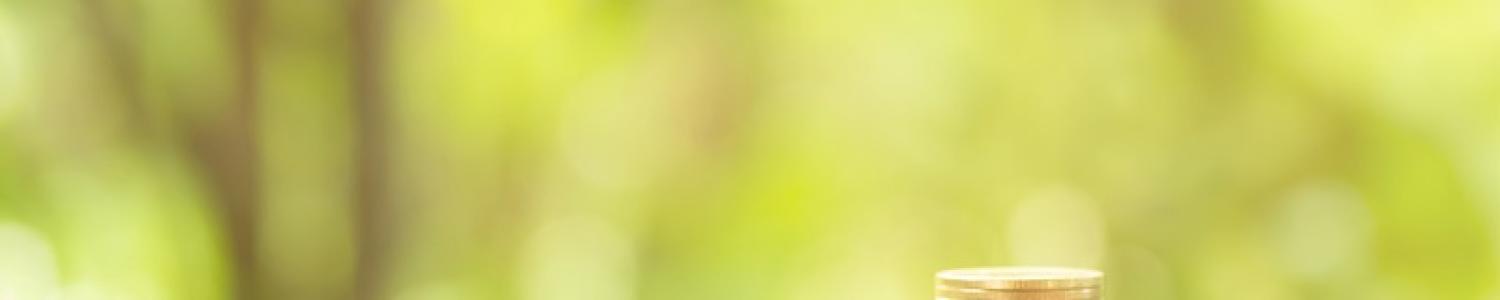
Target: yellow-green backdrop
[{"x": 746, "y": 149}]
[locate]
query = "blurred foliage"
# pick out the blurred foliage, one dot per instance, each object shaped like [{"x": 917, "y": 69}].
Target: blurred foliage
[{"x": 774, "y": 149}]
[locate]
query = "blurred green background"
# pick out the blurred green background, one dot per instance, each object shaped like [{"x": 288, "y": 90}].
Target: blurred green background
[{"x": 770, "y": 149}]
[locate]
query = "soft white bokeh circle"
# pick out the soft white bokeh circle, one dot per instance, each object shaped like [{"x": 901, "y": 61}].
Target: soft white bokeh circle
[{"x": 27, "y": 264}]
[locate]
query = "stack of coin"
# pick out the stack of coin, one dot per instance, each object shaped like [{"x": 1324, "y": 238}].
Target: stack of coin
[{"x": 1018, "y": 283}]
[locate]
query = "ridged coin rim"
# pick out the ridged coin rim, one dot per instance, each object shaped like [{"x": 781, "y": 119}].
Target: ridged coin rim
[{"x": 1019, "y": 278}]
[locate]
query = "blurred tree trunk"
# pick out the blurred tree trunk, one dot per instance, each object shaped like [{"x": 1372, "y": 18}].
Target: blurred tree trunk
[
  {"x": 119, "y": 51},
  {"x": 241, "y": 209},
  {"x": 226, "y": 147},
  {"x": 367, "y": 18},
  {"x": 229, "y": 150}
]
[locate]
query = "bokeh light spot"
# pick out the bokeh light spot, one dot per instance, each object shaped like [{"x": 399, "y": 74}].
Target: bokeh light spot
[{"x": 27, "y": 264}]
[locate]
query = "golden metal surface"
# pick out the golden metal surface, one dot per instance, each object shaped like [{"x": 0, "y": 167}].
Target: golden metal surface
[{"x": 1018, "y": 283}]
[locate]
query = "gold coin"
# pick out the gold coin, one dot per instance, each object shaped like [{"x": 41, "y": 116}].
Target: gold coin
[
  {"x": 1018, "y": 283},
  {"x": 976, "y": 294},
  {"x": 1020, "y": 278}
]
